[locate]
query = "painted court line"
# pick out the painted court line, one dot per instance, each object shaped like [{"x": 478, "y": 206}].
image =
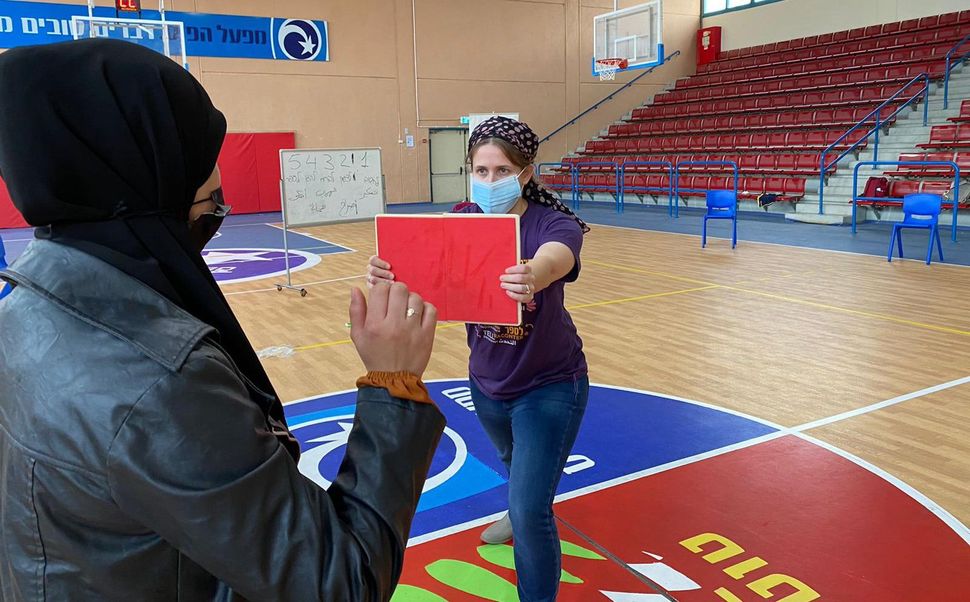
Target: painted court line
[
  {"x": 616, "y": 560},
  {"x": 781, "y": 431},
  {"x": 953, "y": 522},
  {"x": 636, "y": 476},
  {"x": 280, "y": 227},
  {"x": 881, "y": 404},
  {"x": 316, "y": 249},
  {"x": 962, "y": 530},
  {"x": 318, "y": 282},
  {"x": 639, "y": 298},
  {"x": 569, "y": 308},
  {"x": 601, "y": 486},
  {"x": 247, "y": 225},
  {"x": 753, "y": 281},
  {"x": 958, "y": 527},
  {"x": 650, "y": 272},
  {"x": 777, "y": 244},
  {"x": 857, "y": 312}
]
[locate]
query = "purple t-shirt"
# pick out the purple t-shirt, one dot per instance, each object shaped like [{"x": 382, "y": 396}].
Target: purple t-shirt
[{"x": 509, "y": 361}]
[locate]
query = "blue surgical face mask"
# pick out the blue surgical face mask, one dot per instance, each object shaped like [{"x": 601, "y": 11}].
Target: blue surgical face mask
[{"x": 499, "y": 196}]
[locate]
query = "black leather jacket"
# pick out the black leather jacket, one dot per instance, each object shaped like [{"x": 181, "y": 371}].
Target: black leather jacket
[{"x": 135, "y": 466}]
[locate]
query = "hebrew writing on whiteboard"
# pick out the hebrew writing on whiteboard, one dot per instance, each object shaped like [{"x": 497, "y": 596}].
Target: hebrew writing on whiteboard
[{"x": 325, "y": 186}]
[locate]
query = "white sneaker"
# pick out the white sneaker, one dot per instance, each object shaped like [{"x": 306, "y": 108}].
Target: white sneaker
[{"x": 498, "y": 532}]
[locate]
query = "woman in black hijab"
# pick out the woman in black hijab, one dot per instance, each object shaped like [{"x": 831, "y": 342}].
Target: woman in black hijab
[{"x": 143, "y": 451}]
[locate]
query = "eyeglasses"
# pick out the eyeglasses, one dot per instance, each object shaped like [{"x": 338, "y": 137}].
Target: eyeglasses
[{"x": 219, "y": 198}]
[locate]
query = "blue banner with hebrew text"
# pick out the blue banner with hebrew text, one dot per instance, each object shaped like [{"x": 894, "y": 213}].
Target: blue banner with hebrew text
[{"x": 229, "y": 36}]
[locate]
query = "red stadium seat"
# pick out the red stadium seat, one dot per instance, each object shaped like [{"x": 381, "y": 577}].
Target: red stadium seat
[
  {"x": 941, "y": 136},
  {"x": 900, "y": 188},
  {"x": 778, "y": 141},
  {"x": 787, "y": 163},
  {"x": 794, "y": 187}
]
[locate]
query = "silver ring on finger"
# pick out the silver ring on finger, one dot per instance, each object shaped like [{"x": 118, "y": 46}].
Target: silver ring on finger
[
  {"x": 528, "y": 289},
  {"x": 411, "y": 312}
]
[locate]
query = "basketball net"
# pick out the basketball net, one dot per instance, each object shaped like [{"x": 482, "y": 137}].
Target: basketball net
[{"x": 608, "y": 68}]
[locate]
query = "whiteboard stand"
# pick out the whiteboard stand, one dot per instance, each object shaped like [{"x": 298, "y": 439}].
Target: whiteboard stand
[{"x": 286, "y": 253}]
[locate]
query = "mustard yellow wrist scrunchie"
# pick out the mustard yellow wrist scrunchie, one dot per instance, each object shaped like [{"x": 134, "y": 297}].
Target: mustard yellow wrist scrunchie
[{"x": 399, "y": 384}]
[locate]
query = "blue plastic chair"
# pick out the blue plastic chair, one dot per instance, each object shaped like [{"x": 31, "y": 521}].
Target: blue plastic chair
[
  {"x": 721, "y": 204},
  {"x": 4, "y": 287},
  {"x": 920, "y": 212}
]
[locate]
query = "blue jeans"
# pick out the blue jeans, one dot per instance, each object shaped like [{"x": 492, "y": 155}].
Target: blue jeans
[{"x": 533, "y": 435}]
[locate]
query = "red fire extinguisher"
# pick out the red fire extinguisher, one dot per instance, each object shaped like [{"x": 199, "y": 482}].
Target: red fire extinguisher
[{"x": 708, "y": 45}]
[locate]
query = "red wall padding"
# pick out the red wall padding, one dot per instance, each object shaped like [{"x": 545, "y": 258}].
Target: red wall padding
[
  {"x": 250, "y": 166},
  {"x": 240, "y": 182},
  {"x": 9, "y": 216}
]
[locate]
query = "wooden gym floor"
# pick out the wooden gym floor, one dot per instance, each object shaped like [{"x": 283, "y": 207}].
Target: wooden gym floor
[{"x": 789, "y": 335}]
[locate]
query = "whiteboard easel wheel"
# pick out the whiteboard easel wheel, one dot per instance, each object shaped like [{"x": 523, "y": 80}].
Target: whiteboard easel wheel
[
  {"x": 279, "y": 289},
  {"x": 303, "y": 292}
]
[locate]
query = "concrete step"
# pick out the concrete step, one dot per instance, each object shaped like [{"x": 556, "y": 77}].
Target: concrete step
[
  {"x": 905, "y": 140},
  {"x": 888, "y": 143},
  {"x": 912, "y": 129},
  {"x": 827, "y": 219}
]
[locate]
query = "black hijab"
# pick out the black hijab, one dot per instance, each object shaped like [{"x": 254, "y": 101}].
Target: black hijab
[{"x": 103, "y": 145}]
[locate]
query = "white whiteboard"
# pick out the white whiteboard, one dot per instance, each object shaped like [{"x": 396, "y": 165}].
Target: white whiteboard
[{"x": 321, "y": 186}]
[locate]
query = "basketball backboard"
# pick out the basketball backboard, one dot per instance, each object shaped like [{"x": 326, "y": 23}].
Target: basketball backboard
[
  {"x": 161, "y": 35},
  {"x": 634, "y": 34}
]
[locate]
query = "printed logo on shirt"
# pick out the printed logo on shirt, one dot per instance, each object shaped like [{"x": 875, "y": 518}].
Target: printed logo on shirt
[{"x": 505, "y": 335}]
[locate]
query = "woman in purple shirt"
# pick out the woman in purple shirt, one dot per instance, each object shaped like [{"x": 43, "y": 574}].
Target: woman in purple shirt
[{"x": 529, "y": 383}]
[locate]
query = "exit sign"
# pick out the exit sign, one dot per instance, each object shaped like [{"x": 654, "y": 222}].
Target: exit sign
[{"x": 129, "y": 6}]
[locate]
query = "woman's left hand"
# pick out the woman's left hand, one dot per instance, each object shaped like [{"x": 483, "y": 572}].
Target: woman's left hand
[{"x": 519, "y": 283}]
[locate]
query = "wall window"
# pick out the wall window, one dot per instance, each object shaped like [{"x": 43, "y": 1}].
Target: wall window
[{"x": 713, "y": 7}]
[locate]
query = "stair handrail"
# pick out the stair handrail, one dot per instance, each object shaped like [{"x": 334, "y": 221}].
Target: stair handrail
[
  {"x": 578, "y": 188},
  {"x": 880, "y": 121},
  {"x": 634, "y": 164},
  {"x": 610, "y": 96},
  {"x": 950, "y": 64},
  {"x": 572, "y": 176},
  {"x": 732, "y": 164}
]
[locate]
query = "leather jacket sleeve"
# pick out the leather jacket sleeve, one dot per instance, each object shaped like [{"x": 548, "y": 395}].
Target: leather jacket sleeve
[{"x": 196, "y": 462}]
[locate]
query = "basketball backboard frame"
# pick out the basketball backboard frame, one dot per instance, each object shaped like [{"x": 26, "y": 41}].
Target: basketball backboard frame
[
  {"x": 164, "y": 36},
  {"x": 634, "y": 34}
]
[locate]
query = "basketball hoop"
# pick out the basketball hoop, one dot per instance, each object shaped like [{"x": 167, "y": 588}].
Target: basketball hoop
[{"x": 608, "y": 68}]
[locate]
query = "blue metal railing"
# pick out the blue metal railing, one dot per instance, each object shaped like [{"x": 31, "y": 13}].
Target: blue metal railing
[
  {"x": 956, "y": 187},
  {"x": 635, "y": 189},
  {"x": 578, "y": 188},
  {"x": 880, "y": 121},
  {"x": 610, "y": 96},
  {"x": 5, "y": 289},
  {"x": 680, "y": 164},
  {"x": 572, "y": 177},
  {"x": 950, "y": 64}
]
